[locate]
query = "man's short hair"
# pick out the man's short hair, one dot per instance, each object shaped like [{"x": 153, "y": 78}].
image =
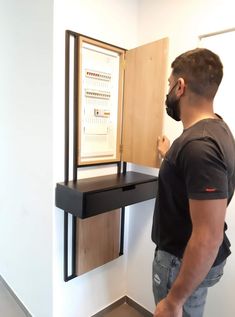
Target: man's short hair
[{"x": 201, "y": 69}]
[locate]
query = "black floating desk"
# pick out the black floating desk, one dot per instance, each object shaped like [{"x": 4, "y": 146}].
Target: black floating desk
[{"x": 91, "y": 196}]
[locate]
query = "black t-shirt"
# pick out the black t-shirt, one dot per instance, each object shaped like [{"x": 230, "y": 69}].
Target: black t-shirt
[{"x": 199, "y": 165}]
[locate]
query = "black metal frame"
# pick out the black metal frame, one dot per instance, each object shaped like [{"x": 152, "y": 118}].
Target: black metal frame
[
  {"x": 121, "y": 166},
  {"x": 68, "y": 277},
  {"x": 122, "y": 169},
  {"x": 73, "y": 262}
]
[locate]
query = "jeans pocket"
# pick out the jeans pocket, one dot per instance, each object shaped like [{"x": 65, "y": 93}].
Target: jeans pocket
[
  {"x": 214, "y": 275},
  {"x": 160, "y": 280}
]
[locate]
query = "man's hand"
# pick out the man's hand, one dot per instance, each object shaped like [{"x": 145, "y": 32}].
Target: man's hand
[
  {"x": 166, "y": 309},
  {"x": 163, "y": 145}
]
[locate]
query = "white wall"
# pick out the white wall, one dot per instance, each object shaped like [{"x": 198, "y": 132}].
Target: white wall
[
  {"x": 114, "y": 22},
  {"x": 140, "y": 249},
  {"x": 26, "y": 186},
  {"x": 182, "y": 21}
]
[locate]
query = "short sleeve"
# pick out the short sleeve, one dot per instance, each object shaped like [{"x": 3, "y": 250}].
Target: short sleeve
[{"x": 204, "y": 170}]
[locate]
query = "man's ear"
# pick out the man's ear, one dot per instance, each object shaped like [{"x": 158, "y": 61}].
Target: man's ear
[{"x": 180, "y": 87}]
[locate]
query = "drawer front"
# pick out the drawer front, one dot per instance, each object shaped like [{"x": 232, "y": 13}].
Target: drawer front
[{"x": 99, "y": 202}]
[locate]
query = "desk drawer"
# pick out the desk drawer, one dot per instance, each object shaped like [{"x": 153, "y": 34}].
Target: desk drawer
[
  {"x": 97, "y": 202},
  {"x": 92, "y": 196}
]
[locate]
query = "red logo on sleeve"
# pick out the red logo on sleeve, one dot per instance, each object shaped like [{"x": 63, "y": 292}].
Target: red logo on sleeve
[{"x": 210, "y": 190}]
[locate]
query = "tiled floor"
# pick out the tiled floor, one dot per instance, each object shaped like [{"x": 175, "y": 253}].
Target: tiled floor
[
  {"x": 123, "y": 311},
  {"x": 8, "y": 306}
]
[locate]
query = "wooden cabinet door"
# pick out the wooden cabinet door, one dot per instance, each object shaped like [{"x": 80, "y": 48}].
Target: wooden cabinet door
[
  {"x": 98, "y": 240},
  {"x": 144, "y": 102}
]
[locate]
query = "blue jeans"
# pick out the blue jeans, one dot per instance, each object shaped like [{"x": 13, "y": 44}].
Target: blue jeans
[{"x": 165, "y": 269}]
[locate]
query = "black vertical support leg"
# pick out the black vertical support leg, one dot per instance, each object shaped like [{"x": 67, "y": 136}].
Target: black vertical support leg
[
  {"x": 122, "y": 231},
  {"x": 124, "y": 168},
  {"x": 65, "y": 246},
  {"x": 68, "y": 277},
  {"x": 74, "y": 234}
]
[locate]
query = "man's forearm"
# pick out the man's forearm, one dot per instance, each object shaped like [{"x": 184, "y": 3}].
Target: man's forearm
[{"x": 198, "y": 258}]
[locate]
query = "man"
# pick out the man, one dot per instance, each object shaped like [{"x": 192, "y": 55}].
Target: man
[{"x": 196, "y": 183}]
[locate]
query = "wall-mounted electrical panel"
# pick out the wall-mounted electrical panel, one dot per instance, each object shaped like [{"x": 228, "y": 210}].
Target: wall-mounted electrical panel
[
  {"x": 99, "y": 102},
  {"x": 121, "y": 100},
  {"x": 114, "y": 103}
]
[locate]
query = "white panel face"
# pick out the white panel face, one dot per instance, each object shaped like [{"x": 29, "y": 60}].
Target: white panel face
[{"x": 99, "y": 104}]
